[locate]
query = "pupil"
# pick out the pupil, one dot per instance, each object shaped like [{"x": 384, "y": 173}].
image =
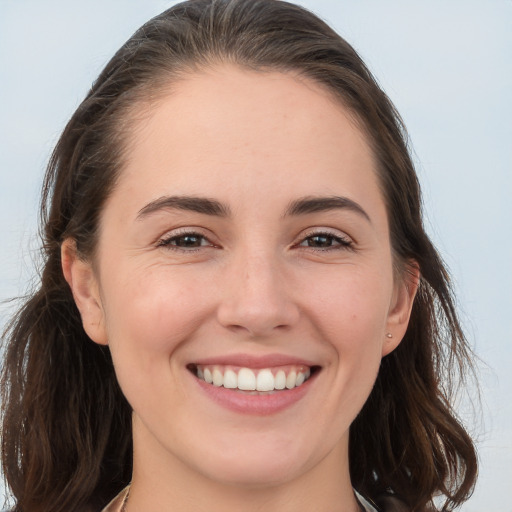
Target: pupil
[
  {"x": 189, "y": 241},
  {"x": 320, "y": 241}
]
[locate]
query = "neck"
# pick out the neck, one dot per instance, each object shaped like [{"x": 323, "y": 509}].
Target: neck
[{"x": 165, "y": 482}]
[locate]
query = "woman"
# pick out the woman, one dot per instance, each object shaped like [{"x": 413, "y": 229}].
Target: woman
[{"x": 239, "y": 306}]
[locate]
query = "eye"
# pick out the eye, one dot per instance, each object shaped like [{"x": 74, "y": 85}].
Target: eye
[
  {"x": 326, "y": 241},
  {"x": 185, "y": 241}
]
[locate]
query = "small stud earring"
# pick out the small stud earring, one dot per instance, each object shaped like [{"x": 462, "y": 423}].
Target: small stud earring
[{"x": 389, "y": 335}]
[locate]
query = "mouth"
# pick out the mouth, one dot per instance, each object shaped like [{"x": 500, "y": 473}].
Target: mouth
[{"x": 254, "y": 381}]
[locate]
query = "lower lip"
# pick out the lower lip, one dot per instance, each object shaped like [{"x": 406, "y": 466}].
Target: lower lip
[{"x": 261, "y": 405}]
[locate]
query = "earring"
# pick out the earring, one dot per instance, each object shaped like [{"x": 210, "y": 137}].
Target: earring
[{"x": 389, "y": 335}]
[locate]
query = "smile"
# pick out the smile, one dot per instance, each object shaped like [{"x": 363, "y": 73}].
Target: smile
[{"x": 260, "y": 380}]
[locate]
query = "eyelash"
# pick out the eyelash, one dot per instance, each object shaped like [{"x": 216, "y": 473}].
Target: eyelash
[
  {"x": 342, "y": 242},
  {"x": 168, "y": 241}
]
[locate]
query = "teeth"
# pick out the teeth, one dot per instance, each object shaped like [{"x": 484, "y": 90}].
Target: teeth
[
  {"x": 280, "y": 380},
  {"x": 230, "y": 379},
  {"x": 246, "y": 379},
  {"x": 265, "y": 381},
  {"x": 291, "y": 380},
  {"x": 218, "y": 378}
]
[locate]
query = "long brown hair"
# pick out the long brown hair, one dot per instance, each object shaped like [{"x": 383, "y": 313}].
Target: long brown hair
[{"x": 66, "y": 433}]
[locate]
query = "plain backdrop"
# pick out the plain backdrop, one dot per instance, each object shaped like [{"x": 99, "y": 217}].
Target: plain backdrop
[{"x": 446, "y": 64}]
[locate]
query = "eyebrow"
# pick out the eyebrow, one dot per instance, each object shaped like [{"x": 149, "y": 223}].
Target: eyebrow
[
  {"x": 306, "y": 205},
  {"x": 188, "y": 203},
  {"x": 207, "y": 206}
]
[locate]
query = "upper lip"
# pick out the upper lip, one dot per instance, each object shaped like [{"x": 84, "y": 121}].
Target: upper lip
[{"x": 253, "y": 361}]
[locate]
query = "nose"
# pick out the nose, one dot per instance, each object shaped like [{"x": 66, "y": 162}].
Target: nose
[{"x": 256, "y": 297}]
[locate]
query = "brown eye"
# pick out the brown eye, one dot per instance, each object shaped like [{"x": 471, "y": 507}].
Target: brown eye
[
  {"x": 188, "y": 241},
  {"x": 185, "y": 241},
  {"x": 325, "y": 241},
  {"x": 320, "y": 241}
]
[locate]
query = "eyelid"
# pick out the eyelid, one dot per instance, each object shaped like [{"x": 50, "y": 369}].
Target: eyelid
[{"x": 324, "y": 230}]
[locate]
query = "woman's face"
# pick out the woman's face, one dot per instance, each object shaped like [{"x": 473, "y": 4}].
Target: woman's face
[{"x": 246, "y": 242}]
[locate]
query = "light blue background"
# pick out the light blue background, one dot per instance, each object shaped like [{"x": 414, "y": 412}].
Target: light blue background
[{"x": 447, "y": 65}]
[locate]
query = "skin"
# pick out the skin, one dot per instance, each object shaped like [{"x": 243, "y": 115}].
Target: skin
[{"x": 256, "y": 284}]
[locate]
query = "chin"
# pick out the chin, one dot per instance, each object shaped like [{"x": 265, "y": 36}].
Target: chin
[
  {"x": 252, "y": 474},
  {"x": 254, "y": 465}
]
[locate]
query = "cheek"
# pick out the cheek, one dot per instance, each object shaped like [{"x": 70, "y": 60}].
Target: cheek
[
  {"x": 148, "y": 319},
  {"x": 152, "y": 313},
  {"x": 351, "y": 315},
  {"x": 351, "y": 305}
]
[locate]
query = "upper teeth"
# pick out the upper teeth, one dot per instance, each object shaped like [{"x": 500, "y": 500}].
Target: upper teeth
[{"x": 254, "y": 380}]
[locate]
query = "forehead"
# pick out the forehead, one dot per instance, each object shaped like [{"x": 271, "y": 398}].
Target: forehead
[{"x": 232, "y": 129}]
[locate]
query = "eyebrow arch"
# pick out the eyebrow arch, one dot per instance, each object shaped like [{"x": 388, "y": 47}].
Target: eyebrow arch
[
  {"x": 188, "y": 203},
  {"x": 313, "y": 204}
]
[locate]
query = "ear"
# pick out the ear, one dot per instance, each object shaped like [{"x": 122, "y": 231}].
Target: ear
[
  {"x": 81, "y": 278},
  {"x": 401, "y": 306}
]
